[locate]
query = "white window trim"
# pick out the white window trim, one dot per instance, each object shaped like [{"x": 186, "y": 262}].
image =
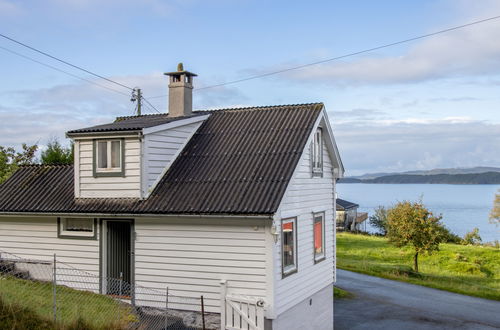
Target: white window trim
[
  {"x": 317, "y": 152},
  {"x": 61, "y": 233},
  {"x": 288, "y": 270},
  {"x": 321, "y": 256},
  {"x": 108, "y": 155}
]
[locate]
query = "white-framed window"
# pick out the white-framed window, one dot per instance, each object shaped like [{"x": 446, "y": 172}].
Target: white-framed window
[
  {"x": 319, "y": 236},
  {"x": 73, "y": 227},
  {"x": 289, "y": 246},
  {"x": 108, "y": 157},
  {"x": 317, "y": 153}
]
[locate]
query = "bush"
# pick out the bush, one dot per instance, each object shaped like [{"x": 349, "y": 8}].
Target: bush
[
  {"x": 450, "y": 237},
  {"x": 379, "y": 220},
  {"x": 472, "y": 237}
]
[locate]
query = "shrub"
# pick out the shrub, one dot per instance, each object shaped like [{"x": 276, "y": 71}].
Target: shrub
[
  {"x": 450, "y": 237},
  {"x": 472, "y": 237},
  {"x": 379, "y": 220}
]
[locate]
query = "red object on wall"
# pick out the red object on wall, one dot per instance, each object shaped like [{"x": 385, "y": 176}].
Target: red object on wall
[{"x": 318, "y": 236}]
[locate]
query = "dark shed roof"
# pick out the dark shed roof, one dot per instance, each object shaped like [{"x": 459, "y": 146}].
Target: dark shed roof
[
  {"x": 238, "y": 162},
  {"x": 342, "y": 204}
]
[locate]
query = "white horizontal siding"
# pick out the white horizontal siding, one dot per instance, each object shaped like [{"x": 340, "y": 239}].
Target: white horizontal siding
[
  {"x": 160, "y": 150},
  {"x": 111, "y": 187},
  {"x": 304, "y": 196},
  {"x": 36, "y": 238},
  {"x": 192, "y": 258}
]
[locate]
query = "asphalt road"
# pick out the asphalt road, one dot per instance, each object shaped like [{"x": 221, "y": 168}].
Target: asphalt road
[{"x": 386, "y": 304}]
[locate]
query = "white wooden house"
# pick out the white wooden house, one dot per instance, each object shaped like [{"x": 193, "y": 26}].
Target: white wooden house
[{"x": 222, "y": 202}]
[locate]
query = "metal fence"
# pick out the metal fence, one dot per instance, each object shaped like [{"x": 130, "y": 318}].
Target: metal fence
[{"x": 69, "y": 297}]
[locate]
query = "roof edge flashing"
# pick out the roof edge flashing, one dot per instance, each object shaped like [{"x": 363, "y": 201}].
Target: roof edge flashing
[{"x": 174, "y": 124}]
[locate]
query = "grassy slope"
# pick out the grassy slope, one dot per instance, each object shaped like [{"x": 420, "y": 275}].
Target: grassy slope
[
  {"x": 471, "y": 270},
  {"x": 94, "y": 310},
  {"x": 339, "y": 293}
]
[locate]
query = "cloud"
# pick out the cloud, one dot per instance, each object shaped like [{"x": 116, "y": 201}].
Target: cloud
[
  {"x": 409, "y": 144},
  {"x": 156, "y": 7},
  {"x": 453, "y": 99},
  {"x": 34, "y": 116},
  {"x": 471, "y": 51},
  {"x": 357, "y": 114},
  {"x": 9, "y": 9}
]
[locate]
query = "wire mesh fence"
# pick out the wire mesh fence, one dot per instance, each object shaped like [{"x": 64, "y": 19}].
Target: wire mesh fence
[{"x": 59, "y": 293}]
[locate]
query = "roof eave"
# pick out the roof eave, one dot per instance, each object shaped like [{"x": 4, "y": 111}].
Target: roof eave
[
  {"x": 148, "y": 215},
  {"x": 131, "y": 132}
]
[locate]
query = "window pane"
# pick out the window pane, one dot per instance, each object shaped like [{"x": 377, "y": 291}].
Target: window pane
[
  {"x": 318, "y": 236},
  {"x": 115, "y": 154},
  {"x": 80, "y": 225},
  {"x": 102, "y": 154},
  {"x": 288, "y": 244}
]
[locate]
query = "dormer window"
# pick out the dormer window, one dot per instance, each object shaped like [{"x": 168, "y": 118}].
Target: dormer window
[
  {"x": 108, "y": 157},
  {"x": 317, "y": 154}
]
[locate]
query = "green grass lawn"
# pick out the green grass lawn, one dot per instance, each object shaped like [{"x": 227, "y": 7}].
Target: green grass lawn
[
  {"x": 471, "y": 270},
  {"x": 338, "y": 293},
  {"x": 73, "y": 306}
]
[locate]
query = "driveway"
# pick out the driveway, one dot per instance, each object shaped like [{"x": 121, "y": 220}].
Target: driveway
[{"x": 386, "y": 304}]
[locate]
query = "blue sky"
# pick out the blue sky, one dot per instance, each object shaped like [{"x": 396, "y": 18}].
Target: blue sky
[{"x": 426, "y": 104}]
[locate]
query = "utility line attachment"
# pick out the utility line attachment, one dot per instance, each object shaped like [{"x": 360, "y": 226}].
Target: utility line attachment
[{"x": 137, "y": 97}]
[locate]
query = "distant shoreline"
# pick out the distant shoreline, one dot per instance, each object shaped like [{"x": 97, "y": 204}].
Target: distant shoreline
[{"x": 464, "y": 179}]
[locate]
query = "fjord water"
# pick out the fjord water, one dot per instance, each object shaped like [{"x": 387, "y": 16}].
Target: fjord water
[{"x": 463, "y": 207}]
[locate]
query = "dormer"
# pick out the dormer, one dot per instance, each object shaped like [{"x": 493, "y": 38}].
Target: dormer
[{"x": 128, "y": 158}]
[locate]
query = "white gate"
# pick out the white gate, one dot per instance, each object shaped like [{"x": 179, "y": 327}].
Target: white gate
[{"x": 241, "y": 312}]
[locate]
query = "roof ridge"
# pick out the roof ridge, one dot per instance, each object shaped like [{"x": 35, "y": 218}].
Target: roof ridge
[
  {"x": 45, "y": 165},
  {"x": 261, "y": 107},
  {"x": 120, "y": 118}
]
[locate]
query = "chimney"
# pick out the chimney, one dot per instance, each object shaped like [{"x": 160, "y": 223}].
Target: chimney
[{"x": 180, "y": 92}]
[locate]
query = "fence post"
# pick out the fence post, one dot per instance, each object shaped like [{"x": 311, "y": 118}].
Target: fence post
[
  {"x": 54, "y": 285},
  {"x": 202, "y": 312},
  {"x": 223, "y": 293},
  {"x": 121, "y": 284},
  {"x": 166, "y": 310}
]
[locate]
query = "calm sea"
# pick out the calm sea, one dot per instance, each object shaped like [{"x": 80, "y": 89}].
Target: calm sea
[{"x": 463, "y": 207}]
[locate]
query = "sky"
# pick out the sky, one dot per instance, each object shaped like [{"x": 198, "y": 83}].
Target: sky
[{"x": 431, "y": 103}]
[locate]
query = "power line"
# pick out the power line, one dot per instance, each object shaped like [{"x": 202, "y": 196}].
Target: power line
[
  {"x": 59, "y": 70},
  {"x": 152, "y": 106},
  {"x": 343, "y": 56},
  {"x": 65, "y": 62}
]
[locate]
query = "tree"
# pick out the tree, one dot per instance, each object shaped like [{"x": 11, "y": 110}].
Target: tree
[
  {"x": 56, "y": 154},
  {"x": 10, "y": 159},
  {"x": 412, "y": 224},
  {"x": 495, "y": 213},
  {"x": 379, "y": 220}
]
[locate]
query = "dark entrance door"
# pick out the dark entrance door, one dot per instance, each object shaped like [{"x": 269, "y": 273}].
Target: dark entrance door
[{"x": 118, "y": 241}]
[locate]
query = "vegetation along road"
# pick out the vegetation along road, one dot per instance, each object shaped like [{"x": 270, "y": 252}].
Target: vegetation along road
[{"x": 466, "y": 269}]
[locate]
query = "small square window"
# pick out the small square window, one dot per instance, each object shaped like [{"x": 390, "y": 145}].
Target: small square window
[
  {"x": 108, "y": 157},
  {"x": 289, "y": 246},
  {"x": 82, "y": 228},
  {"x": 317, "y": 153},
  {"x": 319, "y": 236}
]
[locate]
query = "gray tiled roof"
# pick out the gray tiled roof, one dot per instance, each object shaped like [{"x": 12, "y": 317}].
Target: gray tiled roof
[{"x": 239, "y": 161}]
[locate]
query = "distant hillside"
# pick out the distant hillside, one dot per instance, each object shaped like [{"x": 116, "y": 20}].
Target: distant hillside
[
  {"x": 470, "y": 170},
  {"x": 473, "y": 178}
]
